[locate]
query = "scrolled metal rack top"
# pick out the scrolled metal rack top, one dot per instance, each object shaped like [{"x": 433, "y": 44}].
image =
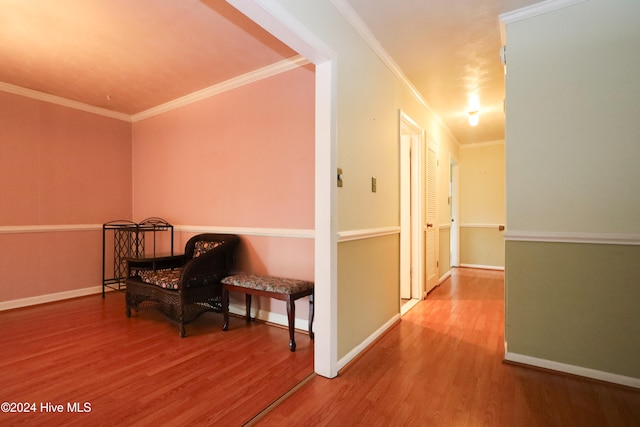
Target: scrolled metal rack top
[{"x": 129, "y": 242}]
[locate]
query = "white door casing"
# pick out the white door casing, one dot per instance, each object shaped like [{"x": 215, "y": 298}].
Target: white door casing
[{"x": 411, "y": 212}]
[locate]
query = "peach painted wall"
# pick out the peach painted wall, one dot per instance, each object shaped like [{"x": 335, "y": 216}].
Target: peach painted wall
[
  {"x": 59, "y": 168},
  {"x": 241, "y": 159}
]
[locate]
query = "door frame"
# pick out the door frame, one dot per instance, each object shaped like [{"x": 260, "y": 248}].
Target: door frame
[
  {"x": 275, "y": 19},
  {"x": 411, "y": 234}
]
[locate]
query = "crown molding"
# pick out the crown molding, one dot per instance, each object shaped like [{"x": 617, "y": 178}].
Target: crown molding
[
  {"x": 52, "y": 99},
  {"x": 234, "y": 83},
  {"x": 483, "y": 144},
  {"x": 361, "y": 28},
  {"x": 531, "y": 11},
  {"x": 536, "y": 9}
]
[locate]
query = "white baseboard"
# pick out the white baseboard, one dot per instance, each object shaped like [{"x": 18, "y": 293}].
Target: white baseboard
[
  {"x": 367, "y": 342},
  {"x": 42, "y": 299},
  {"x": 483, "y": 267},
  {"x": 444, "y": 277},
  {"x": 267, "y": 316},
  {"x": 573, "y": 370},
  {"x": 278, "y": 319}
]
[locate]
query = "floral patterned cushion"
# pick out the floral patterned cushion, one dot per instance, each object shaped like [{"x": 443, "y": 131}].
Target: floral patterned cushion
[
  {"x": 278, "y": 285},
  {"x": 203, "y": 246},
  {"x": 166, "y": 278}
]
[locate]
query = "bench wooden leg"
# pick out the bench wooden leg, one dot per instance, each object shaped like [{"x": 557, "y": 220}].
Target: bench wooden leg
[
  {"x": 247, "y": 300},
  {"x": 311, "y": 314},
  {"x": 225, "y": 308},
  {"x": 291, "y": 316}
]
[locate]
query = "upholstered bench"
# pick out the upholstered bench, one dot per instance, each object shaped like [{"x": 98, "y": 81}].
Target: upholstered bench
[{"x": 280, "y": 288}]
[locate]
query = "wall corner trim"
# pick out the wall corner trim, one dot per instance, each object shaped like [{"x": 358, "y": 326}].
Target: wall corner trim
[
  {"x": 535, "y": 10},
  {"x": 345, "y": 236},
  {"x": 573, "y": 370},
  {"x": 483, "y": 267},
  {"x": 573, "y": 237},
  {"x": 361, "y": 28},
  {"x": 58, "y": 296},
  {"x": 233, "y": 83},
  {"x": 53, "y": 99},
  {"x": 20, "y": 229},
  {"x": 249, "y": 231}
]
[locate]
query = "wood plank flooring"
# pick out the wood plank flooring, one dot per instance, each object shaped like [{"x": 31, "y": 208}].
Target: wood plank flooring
[
  {"x": 138, "y": 371},
  {"x": 442, "y": 366}
]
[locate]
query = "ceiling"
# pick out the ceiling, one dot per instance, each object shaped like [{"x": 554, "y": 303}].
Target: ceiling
[
  {"x": 129, "y": 56},
  {"x": 450, "y": 51}
]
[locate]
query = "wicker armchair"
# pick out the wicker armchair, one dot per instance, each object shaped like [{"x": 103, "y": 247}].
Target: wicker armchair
[{"x": 182, "y": 287}]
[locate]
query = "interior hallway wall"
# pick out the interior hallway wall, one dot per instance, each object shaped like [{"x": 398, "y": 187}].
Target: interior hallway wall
[
  {"x": 242, "y": 162},
  {"x": 482, "y": 205},
  {"x": 573, "y": 216}
]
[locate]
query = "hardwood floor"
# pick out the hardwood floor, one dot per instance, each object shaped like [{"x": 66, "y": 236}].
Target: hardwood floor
[
  {"x": 138, "y": 371},
  {"x": 442, "y": 366}
]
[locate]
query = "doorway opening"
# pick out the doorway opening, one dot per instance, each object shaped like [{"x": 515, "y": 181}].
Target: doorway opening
[{"x": 411, "y": 213}]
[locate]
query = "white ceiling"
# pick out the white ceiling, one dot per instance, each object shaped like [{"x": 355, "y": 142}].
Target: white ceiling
[
  {"x": 450, "y": 51},
  {"x": 129, "y": 56}
]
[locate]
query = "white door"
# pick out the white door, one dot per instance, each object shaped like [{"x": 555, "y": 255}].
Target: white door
[
  {"x": 431, "y": 229},
  {"x": 405, "y": 217},
  {"x": 411, "y": 213}
]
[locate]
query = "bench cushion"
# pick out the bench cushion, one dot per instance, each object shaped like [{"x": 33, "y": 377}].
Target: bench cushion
[{"x": 278, "y": 285}]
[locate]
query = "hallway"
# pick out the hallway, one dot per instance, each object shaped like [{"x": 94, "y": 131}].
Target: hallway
[{"x": 442, "y": 366}]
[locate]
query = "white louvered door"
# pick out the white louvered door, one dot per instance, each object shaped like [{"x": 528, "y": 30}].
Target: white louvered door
[{"x": 431, "y": 233}]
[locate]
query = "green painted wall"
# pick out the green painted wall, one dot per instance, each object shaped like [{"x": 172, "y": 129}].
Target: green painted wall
[
  {"x": 482, "y": 204},
  {"x": 572, "y": 156},
  {"x": 575, "y": 304},
  {"x": 444, "y": 250},
  {"x": 368, "y": 295},
  {"x": 481, "y": 246},
  {"x": 369, "y": 99}
]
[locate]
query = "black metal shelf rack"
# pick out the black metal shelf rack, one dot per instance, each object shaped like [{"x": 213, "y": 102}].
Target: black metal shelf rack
[{"x": 129, "y": 241}]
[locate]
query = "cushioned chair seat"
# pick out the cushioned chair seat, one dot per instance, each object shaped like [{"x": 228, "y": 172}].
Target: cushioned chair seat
[
  {"x": 166, "y": 278},
  {"x": 182, "y": 287}
]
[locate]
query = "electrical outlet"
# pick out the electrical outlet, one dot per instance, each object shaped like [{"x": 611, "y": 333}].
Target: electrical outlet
[{"x": 374, "y": 185}]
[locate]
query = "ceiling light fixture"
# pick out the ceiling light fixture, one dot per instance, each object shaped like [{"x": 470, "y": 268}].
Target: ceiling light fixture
[
  {"x": 474, "y": 110},
  {"x": 474, "y": 118}
]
